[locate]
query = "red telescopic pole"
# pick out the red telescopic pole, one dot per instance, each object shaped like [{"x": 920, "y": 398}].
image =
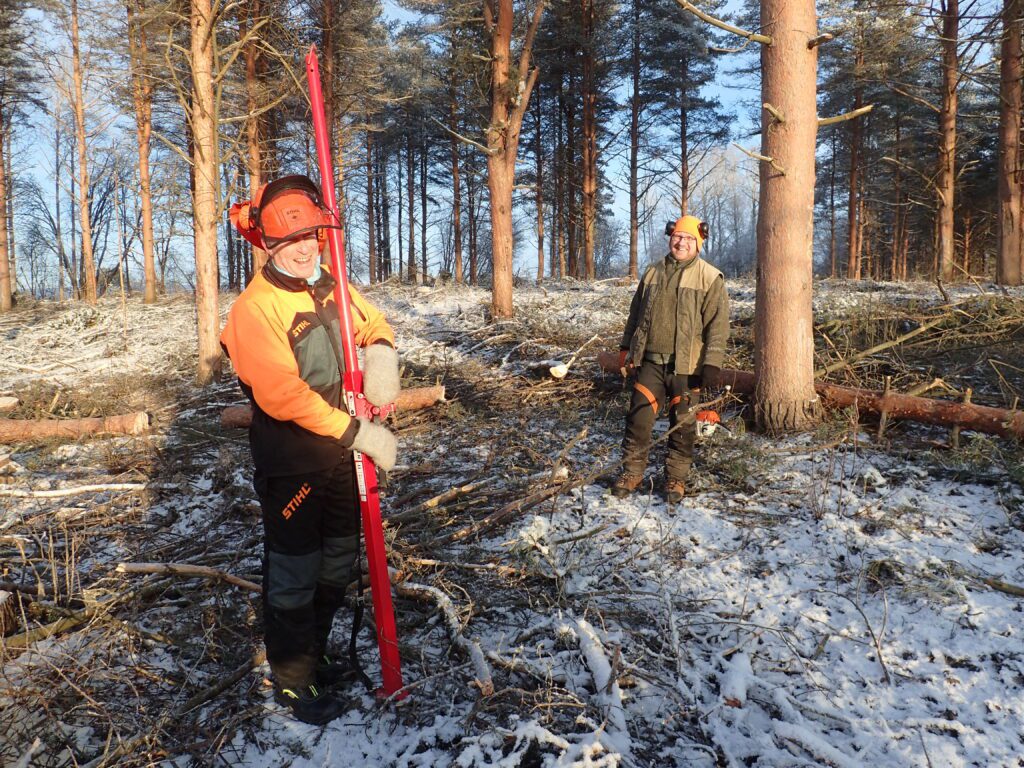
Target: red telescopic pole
[{"x": 352, "y": 384}]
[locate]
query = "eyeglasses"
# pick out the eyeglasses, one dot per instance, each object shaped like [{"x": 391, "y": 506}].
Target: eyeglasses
[{"x": 684, "y": 239}]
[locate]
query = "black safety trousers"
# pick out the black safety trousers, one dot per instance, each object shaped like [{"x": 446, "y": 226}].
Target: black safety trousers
[
  {"x": 311, "y": 541},
  {"x": 656, "y": 385}
]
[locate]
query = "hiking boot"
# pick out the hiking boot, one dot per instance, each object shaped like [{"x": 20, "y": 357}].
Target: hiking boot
[
  {"x": 310, "y": 704},
  {"x": 626, "y": 483},
  {"x": 333, "y": 670},
  {"x": 674, "y": 491}
]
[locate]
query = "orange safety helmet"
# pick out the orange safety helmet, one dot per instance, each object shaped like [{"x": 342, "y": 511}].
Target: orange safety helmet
[{"x": 282, "y": 210}]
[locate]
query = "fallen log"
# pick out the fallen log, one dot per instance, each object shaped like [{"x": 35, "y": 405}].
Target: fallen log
[
  {"x": 980, "y": 418},
  {"x": 413, "y": 399},
  {"x": 13, "y": 430}
]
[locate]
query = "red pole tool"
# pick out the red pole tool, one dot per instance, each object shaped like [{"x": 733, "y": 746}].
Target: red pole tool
[{"x": 358, "y": 405}]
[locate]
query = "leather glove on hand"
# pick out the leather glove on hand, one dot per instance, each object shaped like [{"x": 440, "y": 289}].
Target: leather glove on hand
[
  {"x": 711, "y": 378},
  {"x": 377, "y": 442},
  {"x": 380, "y": 374}
]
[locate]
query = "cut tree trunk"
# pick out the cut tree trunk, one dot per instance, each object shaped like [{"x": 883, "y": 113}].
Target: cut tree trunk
[
  {"x": 14, "y": 430},
  {"x": 980, "y": 418},
  {"x": 238, "y": 416}
]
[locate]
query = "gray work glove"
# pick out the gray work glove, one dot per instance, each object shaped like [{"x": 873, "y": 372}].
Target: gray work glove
[
  {"x": 377, "y": 442},
  {"x": 380, "y": 374}
]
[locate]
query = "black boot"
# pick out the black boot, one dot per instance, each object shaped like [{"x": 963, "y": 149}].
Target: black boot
[
  {"x": 330, "y": 669},
  {"x": 310, "y": 704},
  {"x": 333, "y": 670}
]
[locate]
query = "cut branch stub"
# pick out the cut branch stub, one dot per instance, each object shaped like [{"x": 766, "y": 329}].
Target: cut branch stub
[
  {"x": 824, "y": 37},
  {"x": 845, "y": 116},
  {"x": 755, "y": 36},
  {"x": 774, "y": 112}
]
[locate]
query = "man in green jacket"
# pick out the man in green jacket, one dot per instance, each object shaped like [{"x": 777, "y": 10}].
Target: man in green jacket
[{"x": 675, "y": 338}]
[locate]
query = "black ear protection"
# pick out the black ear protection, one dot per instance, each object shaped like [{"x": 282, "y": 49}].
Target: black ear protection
[{"x": 702, "y": 229}]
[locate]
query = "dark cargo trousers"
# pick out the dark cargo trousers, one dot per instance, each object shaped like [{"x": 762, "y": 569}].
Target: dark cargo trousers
[
  {"x": 655, "y": 385},
  {"x": 311, "y": 539}
]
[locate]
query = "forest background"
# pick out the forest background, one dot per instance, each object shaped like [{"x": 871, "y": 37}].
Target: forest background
[{"x": 88, "y": 87}]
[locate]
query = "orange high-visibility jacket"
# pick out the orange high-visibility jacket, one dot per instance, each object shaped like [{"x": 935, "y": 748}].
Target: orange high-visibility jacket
[{"x": 283, "y": 337}]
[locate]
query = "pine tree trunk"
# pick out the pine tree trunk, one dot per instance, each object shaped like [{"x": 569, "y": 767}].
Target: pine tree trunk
[
  {"x": 634, "y": 142},
  {"x": 509, "y": 99},
  {"x": 569, "y": 209},
  {"x": 410, "y": 172},
  {"x": 684, "y": 151},
  {"x": 6, "y": 292},
  {"x": 385, "y": 212},
  {"x": 853, "y": 251},
  {"x": 945, "y": 182},
  {"x": 423, "y": 207},
  {"x": 453, "y": 107},
  {"x": 589, "y": 189},
  {"x": 401, "y": 209},
  {"x": 833, "y": 256},
  {"x": 371, "y": 213},
  {"x": 558, "y": 226},
  {"x": 204, "y": 200},
  {"x": 1010, "y": 259},
  {"x": 88, "y": 264},
  {"x": 255, "y": 119},
  {"x": 471, "y": 210},
  {"x": 142, "y": 96},
  {"x": 12, "y": 250},
  {"x": 538, "y": 152},
  {"x": 784, "y": 347}
]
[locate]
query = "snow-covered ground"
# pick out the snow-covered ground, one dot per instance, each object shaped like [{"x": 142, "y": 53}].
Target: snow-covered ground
[{"x": 820, "y": 599}]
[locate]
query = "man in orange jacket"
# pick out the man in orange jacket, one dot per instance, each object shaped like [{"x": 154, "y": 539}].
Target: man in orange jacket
[{"x": 283, "y": 337}]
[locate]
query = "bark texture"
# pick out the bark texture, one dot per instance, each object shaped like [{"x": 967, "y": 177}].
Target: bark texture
[
  {"x": 945, "y": 182},
  {"x": 784, "y": 347},
  {"x": 88, "y": 264},
  {"x": 204, "y": 199},
  {"x": 14, "y": 430},
  {"x": 510, "y": 93},
  {"x": 6, "y": 282},
  {"x": 142, "y": 97},
  {"x": 1010, "y": 259}
]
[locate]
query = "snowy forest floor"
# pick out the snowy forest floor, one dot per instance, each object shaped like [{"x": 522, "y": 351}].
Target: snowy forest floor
[{"x": 825, "y": 599}]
